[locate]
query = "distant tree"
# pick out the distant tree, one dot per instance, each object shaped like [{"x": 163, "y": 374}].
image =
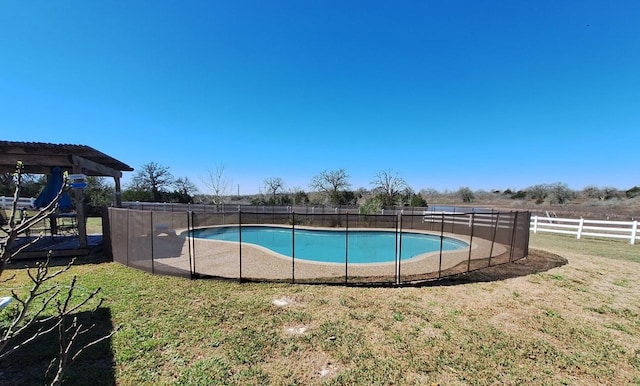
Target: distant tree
[
  {"x": 371, "y": 205},
  {"x": 259, "y": 200},
  {"x": 331, "y": 183},
  {"x": 299, "y": 197},
  {"x": 465, "y": 194},
  {"x": 633, "y": 192},
  {"x": 31, "y": 185},
  {"x": 6, "y": 184},
  {"x": 97, "y": 194},
  {"x": 418, "y": 200},
  {"x": 184, "y": 190},
  {"x": 133, "y": 193},
  {"x": 218, "y": 183},
  {"x": 483, "y": 195},
  {"x": 609, "y": 193},
  {"x": 538, "y": 192},
  {"x": 273, "y": 185},
  {"x": 347, "y": 197},
  {"x": 519, "y": 195},
  {"x": 592, "y": 192},
  {"x": 282, "y": 199},
  {"x": 429, "y": 192},
  {"x": 559, "y": 193},
  {"x": 389, "y": 187},
  {"x": 153, "y": 178}
]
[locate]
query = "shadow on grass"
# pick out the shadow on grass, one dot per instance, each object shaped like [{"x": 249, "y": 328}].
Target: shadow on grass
[
  {"x": 58, "y": 261},
  {"x": 94, "y": 366},
  {"x": 537, "y": 261}
]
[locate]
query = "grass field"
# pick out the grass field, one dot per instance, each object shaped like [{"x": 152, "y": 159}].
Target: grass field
[
  {"x": 568, "y": 314},
  {"x": 94, "y": 224}
]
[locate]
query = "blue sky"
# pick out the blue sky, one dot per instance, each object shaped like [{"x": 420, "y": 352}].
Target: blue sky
[{"x": 449, "y": 94}]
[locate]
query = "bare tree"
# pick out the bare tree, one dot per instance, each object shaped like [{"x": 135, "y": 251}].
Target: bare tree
[
  {"x": 389, "y": 187},
  {"x": 28, "y": 320},
  {"x": 153, "y": 178},
  {"x": 273, "y": 185},
  {"x": 560, "y": 193},
  {"x": 592, "y": 192},
  {"x": 185, "y": 188},
  {"x": 538, "y": 192},
  {"x": 466, "y": 194},
  {"x": 218, "y": 184},
  {"x": 331, "y": 183},
  {"x": 15, "y": 225}
]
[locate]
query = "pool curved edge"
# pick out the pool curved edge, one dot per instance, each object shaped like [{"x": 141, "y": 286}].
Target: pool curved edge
[
  {"x": 356, "y": 260},
  {"x": 220, "y": 258}
]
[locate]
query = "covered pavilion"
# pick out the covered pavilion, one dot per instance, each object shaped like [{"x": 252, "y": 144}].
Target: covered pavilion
[{"x": 41, "y": 158}]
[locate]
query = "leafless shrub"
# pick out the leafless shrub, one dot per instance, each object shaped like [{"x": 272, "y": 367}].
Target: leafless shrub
[{"x": 48, "y": 308}]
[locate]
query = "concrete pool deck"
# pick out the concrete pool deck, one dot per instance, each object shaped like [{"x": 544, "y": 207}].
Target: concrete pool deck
[{"x": 221, "y": 259}]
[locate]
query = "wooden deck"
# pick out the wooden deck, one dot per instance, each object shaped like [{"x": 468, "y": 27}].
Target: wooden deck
[{"x": 58, "y": 246}]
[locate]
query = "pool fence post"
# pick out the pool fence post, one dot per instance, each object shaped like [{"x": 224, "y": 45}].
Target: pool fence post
[
  {"x": 472, "y": 225},
  {"x": 441, "y": 240},
  {"x": 127, "y": 233},
  {"x": 293, "y": 248},
  {"x": 495, "y": 232},
  {"x": 152, "y": 238},
  {"x": 526, "y": 223},
  {"x": 346, "y": 251},
  {"x": 398, "y": 247},
  {"x": 514, "y": 223},
  {"x": 190, "y": 240},
  {"x": 240, "y": 244}
]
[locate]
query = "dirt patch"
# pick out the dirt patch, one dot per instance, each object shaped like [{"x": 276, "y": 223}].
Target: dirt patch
[
  {"x": 282, "y": 302},
  {"x": 295, "y": 330}
]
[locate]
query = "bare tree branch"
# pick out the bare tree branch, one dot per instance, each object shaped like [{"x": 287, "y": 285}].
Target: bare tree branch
[
  {"x": 30, "y": 308},
  {"x": 218, "y": 184},
  {"x": 331, "y": 183},
  {"x": 389, "y": 187}
]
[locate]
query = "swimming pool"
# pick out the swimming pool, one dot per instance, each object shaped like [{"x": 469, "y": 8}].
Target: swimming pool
[{"x": 330, "y": 246}]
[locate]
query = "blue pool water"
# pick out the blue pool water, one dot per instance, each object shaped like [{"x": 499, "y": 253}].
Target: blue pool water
[{"x": 329, "y": 246}]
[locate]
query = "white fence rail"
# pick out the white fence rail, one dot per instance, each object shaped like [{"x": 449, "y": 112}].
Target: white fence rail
[
  {"x": 23, "y": 202},
  {"x": 578, "y": 227},
  {"x": 582, "y": 227}
]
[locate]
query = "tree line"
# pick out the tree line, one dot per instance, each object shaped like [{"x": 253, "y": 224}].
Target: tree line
[{"x": 154, "y": 182}]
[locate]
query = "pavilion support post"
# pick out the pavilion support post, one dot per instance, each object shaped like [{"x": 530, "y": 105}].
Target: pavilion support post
[
  {"x": 78, "y": 198},
  {"x": 82, "y": 222},
  {"x": 118, "y": 192}
]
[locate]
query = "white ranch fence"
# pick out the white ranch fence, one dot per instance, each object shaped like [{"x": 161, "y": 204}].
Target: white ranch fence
[
  {"x": 583, "y": 227},
  {"x": 571, "y": 226},
  {"x": 23, "y": 202}
]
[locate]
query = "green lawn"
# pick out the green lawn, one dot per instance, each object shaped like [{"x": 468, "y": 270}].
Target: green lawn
[
  {"x": 94, "y": 224},
  {"x": 575, "y": 321}
]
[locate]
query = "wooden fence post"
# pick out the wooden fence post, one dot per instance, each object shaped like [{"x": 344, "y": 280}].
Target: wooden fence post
[
  {"x": 634, "y": 232},
  {"x": 580, "y": 225}
]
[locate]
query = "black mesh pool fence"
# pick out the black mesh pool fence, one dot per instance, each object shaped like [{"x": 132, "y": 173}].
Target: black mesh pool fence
[{"x": 179, "y": 243}]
